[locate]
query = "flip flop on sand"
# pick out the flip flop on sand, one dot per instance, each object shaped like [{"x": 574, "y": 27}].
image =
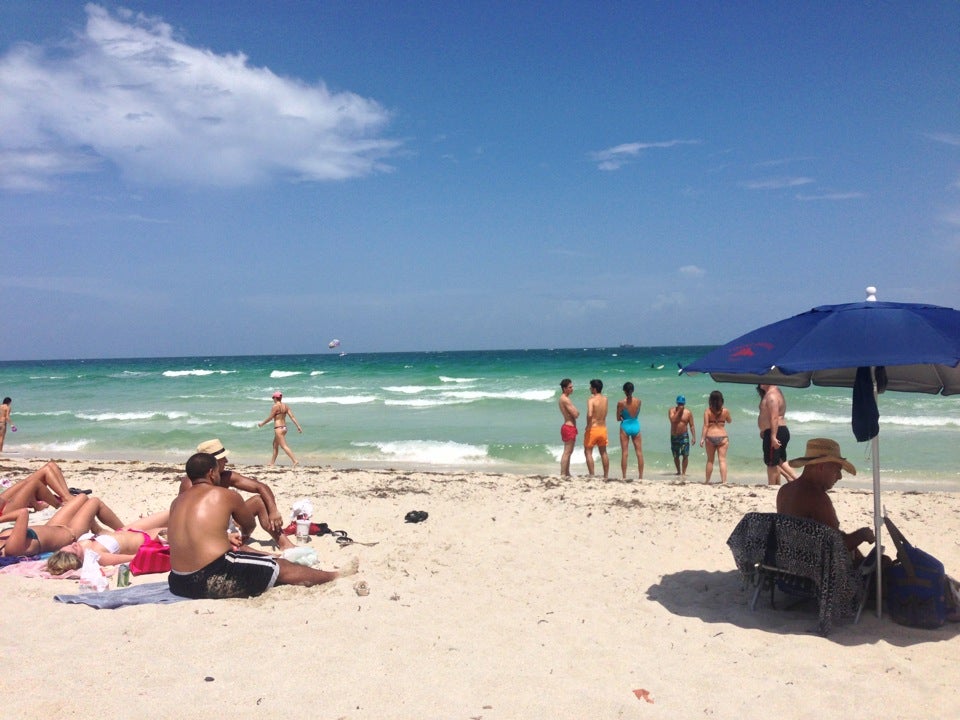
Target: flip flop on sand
[{"x": 415, "y": 516}]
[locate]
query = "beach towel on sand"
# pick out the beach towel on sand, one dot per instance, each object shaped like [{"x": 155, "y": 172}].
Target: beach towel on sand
[
  {"x": 28, "y": 567},
  {"x": 158, "y": 592}
]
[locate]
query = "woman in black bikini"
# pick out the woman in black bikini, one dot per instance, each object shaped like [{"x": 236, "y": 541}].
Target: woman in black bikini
[
  {"x": 714, "y": 438},
  {"x": 278, "y": 413},
  {"x": 76, "y": 516}
]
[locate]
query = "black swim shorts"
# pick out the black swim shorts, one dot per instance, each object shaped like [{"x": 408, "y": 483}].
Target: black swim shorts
[
  {"x": 774, "y": 457},
  {"x": 234, "y": 575}
]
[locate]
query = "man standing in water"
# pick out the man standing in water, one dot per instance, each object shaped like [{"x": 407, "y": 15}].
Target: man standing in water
[
  {"x": 278, "y": 413},
  {"x": 774, "y": 434},
  {"x": 595, "y": 434},
  {"x": 568, "y": 431},
  {"x": 681, "y": 426}
]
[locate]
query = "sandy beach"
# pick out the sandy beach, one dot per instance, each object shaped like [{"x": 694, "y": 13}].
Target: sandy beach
[{"x": 519, "y": 597}]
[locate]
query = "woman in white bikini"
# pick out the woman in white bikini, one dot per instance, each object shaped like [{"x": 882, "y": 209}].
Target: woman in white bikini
[
  {"x": 113, "y": 548},
  {"x": 714, "y": 438},
  {"x": 278, "y": 413}
]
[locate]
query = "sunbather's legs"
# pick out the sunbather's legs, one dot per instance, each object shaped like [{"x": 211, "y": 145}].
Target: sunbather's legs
[
  {"x": 151, "y": 522},
  {"x": 68, "y": 509},
  {"x": 52, "y": 477},
  {"x": 80, "y": 512},
  {"x": 46, "y": 485}
]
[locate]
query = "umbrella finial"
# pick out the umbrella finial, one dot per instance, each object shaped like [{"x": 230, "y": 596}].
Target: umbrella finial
[{"x": 871, "y": 294}]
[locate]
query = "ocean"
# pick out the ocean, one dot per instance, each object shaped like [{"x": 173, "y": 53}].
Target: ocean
[{"x": 492, "y": 411}]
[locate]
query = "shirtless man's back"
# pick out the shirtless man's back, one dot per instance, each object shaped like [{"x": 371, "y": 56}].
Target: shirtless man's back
[{"x": 774, "y": 433}]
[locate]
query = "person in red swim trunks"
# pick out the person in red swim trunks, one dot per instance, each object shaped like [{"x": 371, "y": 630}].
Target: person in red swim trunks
[{"x": 568, "y": 431}]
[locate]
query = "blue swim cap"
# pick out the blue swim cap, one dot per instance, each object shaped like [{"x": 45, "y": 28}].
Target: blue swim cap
[{"x": 681, "y": 400}]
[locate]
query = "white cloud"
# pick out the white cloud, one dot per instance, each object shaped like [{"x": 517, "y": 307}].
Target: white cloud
[
  {"x": 692, "y": 271},
  {"x": 945, "y": 138},
  {"x": 35, "y": 169},
  {"x": 616, "y": 157},
  {"x": 777, "y": 183},
  {"x": 669, "y": 301},
  {"x": 577, "y": 309},
  {"x": 833, "y": 196},
  {"x": 127, "y": 91}
]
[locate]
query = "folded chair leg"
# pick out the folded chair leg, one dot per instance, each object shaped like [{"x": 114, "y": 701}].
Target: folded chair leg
[{"x": 758, "y": 585}]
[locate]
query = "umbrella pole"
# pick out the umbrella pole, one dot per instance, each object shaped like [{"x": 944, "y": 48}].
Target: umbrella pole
[
  {"x": 877, "y": 512},
  {"x": 877, "y": 521}
]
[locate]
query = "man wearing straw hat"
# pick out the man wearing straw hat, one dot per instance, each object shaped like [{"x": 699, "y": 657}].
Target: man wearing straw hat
[
  {"x": 263, "y": 505},
  {"x": 806, "y": 497}
]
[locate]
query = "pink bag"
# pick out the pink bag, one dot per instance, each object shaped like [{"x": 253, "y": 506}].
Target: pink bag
[{"x": 152, "y": 557}]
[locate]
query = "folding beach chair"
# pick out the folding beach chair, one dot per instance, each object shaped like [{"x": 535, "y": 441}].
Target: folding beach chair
[{"x": 801, "y": 558}]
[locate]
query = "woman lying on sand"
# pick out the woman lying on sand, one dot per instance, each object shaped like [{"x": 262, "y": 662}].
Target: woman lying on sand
[
  {"x": 46, "y": 486},
  {"x": 112, "y": 547},
  {"x": 76, "y": 516}
]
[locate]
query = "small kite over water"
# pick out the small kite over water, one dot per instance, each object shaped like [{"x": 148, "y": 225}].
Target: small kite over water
[{"x": 333, "y": 344}]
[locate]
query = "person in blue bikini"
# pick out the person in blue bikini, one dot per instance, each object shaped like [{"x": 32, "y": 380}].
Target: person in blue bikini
[{"x": 628, "y": 412}]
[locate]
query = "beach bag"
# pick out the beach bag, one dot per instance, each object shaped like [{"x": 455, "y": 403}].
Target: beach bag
[
  {"x": 317, "y": 529},
  {"x": 915, "y": 585},
  {"x": 152, "y": 557}
]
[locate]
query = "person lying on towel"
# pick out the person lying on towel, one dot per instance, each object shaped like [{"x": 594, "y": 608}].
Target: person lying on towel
[
  {"x": 113, "y": 548},
  {"x": 76, "y": 516}
]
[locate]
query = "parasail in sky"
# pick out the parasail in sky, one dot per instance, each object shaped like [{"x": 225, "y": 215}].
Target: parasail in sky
[{"x": 334, "y": 344}]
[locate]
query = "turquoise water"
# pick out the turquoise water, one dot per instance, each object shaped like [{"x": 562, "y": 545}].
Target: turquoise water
[{"x": 490, "y": 410}]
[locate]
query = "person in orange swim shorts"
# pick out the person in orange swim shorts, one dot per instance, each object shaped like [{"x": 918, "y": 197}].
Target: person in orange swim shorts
[{"x": 595, "y": 434}]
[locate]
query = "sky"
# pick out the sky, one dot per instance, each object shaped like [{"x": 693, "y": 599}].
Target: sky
[{"x": 187, "y": 178}]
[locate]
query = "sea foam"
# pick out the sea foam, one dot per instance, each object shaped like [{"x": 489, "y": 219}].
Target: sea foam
[
  {"x": 285, "y": 373},
  {"x": 429, "y": 452},
  {"x": 338, "y": 400}
]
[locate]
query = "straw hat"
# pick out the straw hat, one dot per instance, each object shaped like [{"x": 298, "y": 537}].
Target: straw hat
[
  {"x": 214, "y": 447},
  {"x": 821, "y": 450}
]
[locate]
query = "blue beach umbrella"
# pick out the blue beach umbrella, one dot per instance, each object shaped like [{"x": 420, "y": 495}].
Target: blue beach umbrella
[{"x": 868, "y": 346}]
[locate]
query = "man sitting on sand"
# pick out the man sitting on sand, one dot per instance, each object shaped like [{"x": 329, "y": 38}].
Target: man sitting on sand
[
  {"x": 205, "y": 562},
  {"x": 806, "y": 497},
  {"x": 263, "y": 504}
]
